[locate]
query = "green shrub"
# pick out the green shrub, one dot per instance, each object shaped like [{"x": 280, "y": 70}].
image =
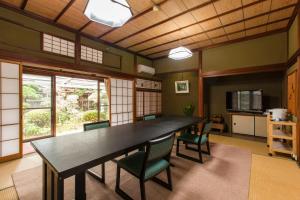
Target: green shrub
[
  {"x": 62, "y": 116},
  {"x": 103, "y": 116},
  {"x": 40, "y": 118},
  {"x": 90, "y": 116},
  {"x": 32, "y": 130}
]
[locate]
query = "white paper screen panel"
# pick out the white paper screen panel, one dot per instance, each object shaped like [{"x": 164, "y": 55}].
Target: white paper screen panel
[
  {"x": 159, "y": 103},
  {"x": 139, "y": 104},
  {"x": 121, "y": 101},
  {"x": 58, "y": 45},
  {"x": 91, "y": 54},
  {"x": 9, "y": 147},
  {"x": 9, "y": 109},
  {"x": 9, "y": 70}
]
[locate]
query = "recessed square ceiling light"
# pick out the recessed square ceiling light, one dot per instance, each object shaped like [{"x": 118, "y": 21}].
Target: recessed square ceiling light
[{"x": 113, "y": 13}]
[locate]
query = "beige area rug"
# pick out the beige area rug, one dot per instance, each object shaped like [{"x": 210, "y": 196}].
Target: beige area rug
[
  {"x": 274, "y": 179},
  {"x": 224, "y": 176}
]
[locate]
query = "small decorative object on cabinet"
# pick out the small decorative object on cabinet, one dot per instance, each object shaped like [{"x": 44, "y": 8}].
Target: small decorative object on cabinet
[
  {"x": 217, "y": 122},
  {"x": 282, "y": 137}
]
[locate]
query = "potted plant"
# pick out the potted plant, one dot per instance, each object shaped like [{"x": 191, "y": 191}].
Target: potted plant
[{"x": 188, "y": 110}]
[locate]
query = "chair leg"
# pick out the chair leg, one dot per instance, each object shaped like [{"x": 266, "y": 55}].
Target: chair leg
[
  {"x": 142, "y": 188},
  {"x": 96, "y": 175},
  {"x": 118, "y": 178},
  {"x": 169, "y": 178},
  {"x": 177, "y": 147},
  {"x": 200, "y": 153},
  {"x": 208, "y": 148}
]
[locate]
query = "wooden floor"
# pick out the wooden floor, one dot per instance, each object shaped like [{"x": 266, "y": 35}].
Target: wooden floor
[{"x": 271, "y": 177}]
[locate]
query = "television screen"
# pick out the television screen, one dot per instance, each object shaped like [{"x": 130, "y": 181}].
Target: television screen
[{"x": 247, "y": 100}]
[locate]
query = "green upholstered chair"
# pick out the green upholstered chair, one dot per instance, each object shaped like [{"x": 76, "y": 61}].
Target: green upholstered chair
[
  {"x": 146, "y": 165},
  {"x": 92, "y": 126},
  {"x": 149, "y": 117},
  {"x": 198, "y": 138}
]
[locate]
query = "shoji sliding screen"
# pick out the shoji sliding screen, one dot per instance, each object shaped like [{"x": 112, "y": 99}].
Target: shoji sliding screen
[
  {"x": 148, "y": 97},
  {"x": 10, "y": 115},
  {"x": 121, "y": 101}
]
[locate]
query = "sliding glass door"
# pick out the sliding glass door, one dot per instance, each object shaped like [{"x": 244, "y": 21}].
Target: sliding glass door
[
  {"x": 37, "y": 108},
  {"x": 76, "y": 103}
]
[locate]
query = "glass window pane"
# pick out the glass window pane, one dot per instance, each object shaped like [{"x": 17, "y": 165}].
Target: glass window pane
[
  {"x": 76, "y": 104},
  {"x": 104, "y": 100},
  {"x": 36, "y": 106}
]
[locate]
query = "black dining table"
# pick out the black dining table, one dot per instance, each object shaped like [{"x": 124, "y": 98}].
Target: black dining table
[{"x": 73, "y": 154}]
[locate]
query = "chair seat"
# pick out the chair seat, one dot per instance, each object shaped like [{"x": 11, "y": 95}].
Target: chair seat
[
  {"x": 192, "y": 138},
  {"x": 134, "y": 163}
]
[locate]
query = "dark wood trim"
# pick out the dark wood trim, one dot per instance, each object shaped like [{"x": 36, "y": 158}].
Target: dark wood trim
[
  {"x": 178, "y": 71},
  {"x": 295, "y": 12},
  {"x": 293, "y": 59},
  {"x": 23, "y": 5},
  {"x": 200, "y": 88},
  {"x": 10, "y": 157},
  {"x": 233, "y": 41},
  {"x": 61, "y": 26},
  {"x": 133, "y": 18},
  {"x": 245, "y": 70},
  {"x": 192, "y": 43},
  {"x": 198, "y": 22},
  {"x": 298, "y": 110},
  {"x": 166, "y": 20},
  {"x": 77, "y": 49},
  {"x": 84, "y": 26},
  {"x": 64, "y": 10},
  {"x": 14, "y": 56}
]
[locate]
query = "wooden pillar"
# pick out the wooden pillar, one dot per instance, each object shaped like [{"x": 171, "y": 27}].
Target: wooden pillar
[
  {"x": 77, "y": 49},
  {"x": 200, "y": 87},
  {"x": 298, "y": 109}
]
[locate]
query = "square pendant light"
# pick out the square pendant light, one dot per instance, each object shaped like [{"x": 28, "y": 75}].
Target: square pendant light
[
  {"x": 113, "y": 13},
  {"x": 180, "y": 53}
]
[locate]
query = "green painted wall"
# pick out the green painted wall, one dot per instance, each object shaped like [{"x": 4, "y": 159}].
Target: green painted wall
[
  {"x": 172, "y": 103},
  {"x": 216, "y": 88},
  {"x": 21, "y": 34},
  {"x": 169, "y": 65},
  {"x": 293, "y": 34},
  {"x": 261, "y": 51}
]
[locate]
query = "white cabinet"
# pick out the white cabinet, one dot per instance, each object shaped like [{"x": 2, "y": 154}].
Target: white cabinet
[
  {"x": 249, "y": 124},
  {"x": 243, "y": 124},
  {"x": 261, "y": 126}
]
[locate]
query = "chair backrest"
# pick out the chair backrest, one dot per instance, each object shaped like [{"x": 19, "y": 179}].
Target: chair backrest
[
  {"x": 207, "y": 128},
  {"x": 160, "y": 148},
  {"x": 149, "y": 117},
  {"x": 95, "y": 125}
]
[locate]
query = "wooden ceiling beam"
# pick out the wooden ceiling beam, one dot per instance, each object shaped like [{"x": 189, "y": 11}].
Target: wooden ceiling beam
[
  {"x": 251, "y": 37},
  {"x": 23, "y": 5},
  {"x": 258, "y": 26},
  {"x": 295, "y": 12},
  {"x": 61, "y": 26},
  {"x": 166, "y": 20},
  {"x": 202, "y": 21},
  {"x": 133, "y": 18},
  {"x": 64, "y": 10},
  {"x": 84, "y": 26},
  {"x": 233, "y": 23}
]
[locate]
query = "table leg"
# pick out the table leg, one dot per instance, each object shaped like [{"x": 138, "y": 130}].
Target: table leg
[
  {"x": 58, "y": 188},
  {"x": 44, "y": 181},
  {"x": 80, "y": 186}
]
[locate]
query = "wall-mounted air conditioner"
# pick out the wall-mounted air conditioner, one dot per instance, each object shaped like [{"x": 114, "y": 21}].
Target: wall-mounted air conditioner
[{"x": 145, "y": 69}]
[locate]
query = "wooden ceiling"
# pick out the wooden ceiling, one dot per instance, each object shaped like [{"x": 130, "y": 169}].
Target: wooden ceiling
[{"x": 191, "y": 23}]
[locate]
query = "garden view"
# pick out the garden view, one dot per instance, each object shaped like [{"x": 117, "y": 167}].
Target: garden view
[{"x": 76, "y": 104}]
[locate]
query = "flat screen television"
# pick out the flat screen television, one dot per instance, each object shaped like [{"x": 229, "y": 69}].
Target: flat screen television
[{"x": 245, "y": 100}]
